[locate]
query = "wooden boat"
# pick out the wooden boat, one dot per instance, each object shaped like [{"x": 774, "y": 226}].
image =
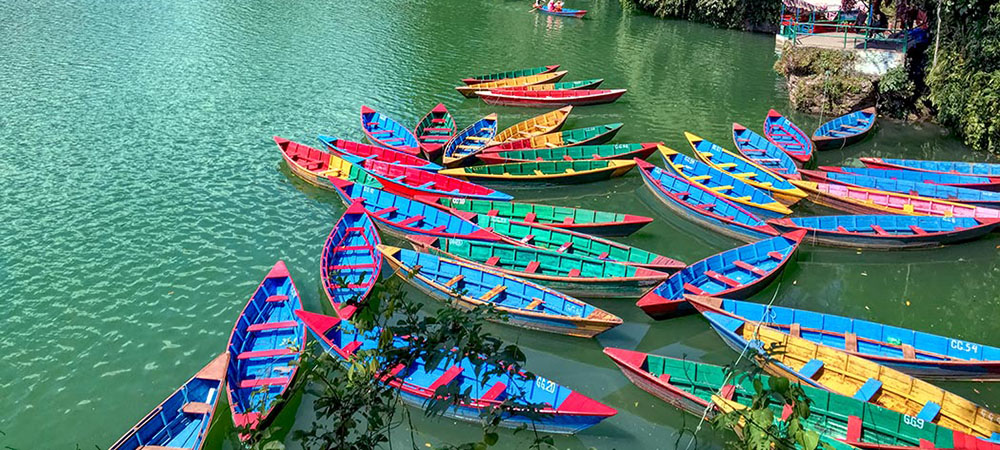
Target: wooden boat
[
  {"x": 183, "y": 419},
  {"x": 564, "y": 411},
  {"x": 350, "y": 263},
  {"x": 544, "y": 172},
  {"x": 569, "y": 274},
  {"x": 723, "y": 184},
  {"x": 411, "y": 182},
  {"x": 829, "y": 368},
  {"x": 700, "y": 205},
  {"x": 974, "y": 197},
  {"x": 264, "y": 349},
  {"x": 510, "y": 74},
  {"x": 887, "y": 232},
  {"x": 745, "y": 170},
  {"x": 580, "y": 152},
  {"x": 578, "y": 13},
  {"x": 944, "y": 179},
  {"x": 401, "y": 216},
  {"x": 434, "y": 130},
  {"x": 549, "y": 122},
  {"x": 691, "y": 386},
  {"x": 320, "y": 168},
  {"x": 341, "y": 147},
  {"x": 788, "y": 137},
  {"x": 761, "y": 151},
  {"x": 386, "y": 132},
  {"x": 869, "y": 201},
  {"x": 470, "y": 141},
  {"x": 591, "y": 83},
  {"x": 984, "y": 170},
  {"x": 472, "y": 90},
  {"x": 573, "y": 243},
  {"x": 594, "y": 135},
  {"x": 526, "y": 304},
  {"x": 844, "y": 130},
  {"x": 548, "y": 99},
  {"x": 587, "y": 221},
  {"x": 923, "y": 355},
  {"x": 737, "y": 273}
]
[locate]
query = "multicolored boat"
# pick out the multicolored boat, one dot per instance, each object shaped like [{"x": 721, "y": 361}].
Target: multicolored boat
[
  {"x": 737, "y": 273},
  {"x": 525, "y": 304},
  {"x": 545, "y": 123},
  {"x": 844, "y": 130},
  {"x": 761, "y": 151},
  {"x": 991, "y": 170},
  {"x": 923, "y": 355},
  {"x": 350, "y": 263},
  {"x": 468, "y": 142},
  {"x": 320, "y": 168},
  {"x": 264, "y": 348},
  {"x": 745, "y": 170},
  {"x": 889, "y": 232},
  {"x": 548, "y": 99},
  {"x": 869, "y": 201},
  {"x": 788, "y": 137},
  {"x": 434, "y": 130},
  {"x": 723, "y": 184},
  {"x": 386, "y": 132},
  {"x": 183, "y": 419},
  {"x": 973, "y": 197},
  {"x": 472, "y": 90},
  {"x": 944, "y": 179},
  {"x": 573, "y": 243},
  {"x": 533, "y": 173},
  {"x": 342, "y": 147},
  {"x": 581, "y": 152},
  {"x": 598, "y": 134},
  {"x": 591, "y": 83},
  {"x": 587, "y": 221},
  {"x": 832, "y": 369},
  {"x": 700, "y": 205},
  {"x": 569, "y": 274},
  {"x": 414, "y": 182},
  {"x": 565, "y": 411},
  {"x": 578, "y": 13},
  {"x": 694, "y": 387},
  {"x": 401, "y": 216},
  {"x": 510, "y": 74}
]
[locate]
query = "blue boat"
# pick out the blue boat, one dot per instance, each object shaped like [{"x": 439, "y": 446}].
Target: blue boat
[
  {"x": 737, "y": 273},
  {"x": 386, "y": 132},
  {"x": 951, "y": 193},
  {"x": 844, "y": 130},
  {"x": 695, "y": 203},
  {"x": 350, "y": 263},
  {"x": 761, "y": 151},
  {"x": 470, "y": 141},
  {"x": 743, "y": 169},
  {"x": 565, "y": 411},
  {"x": 526, "y": 304},
  {"x": 953, "y": 167},
  {"x": 725, "y": 185},
  {"x": 946, "y": 179},
  {"x": 401, "y": 216},
  {"x": 886, "y": 232},
  {"x": 264, "y": 347},
  {"x": 916, "y": 353},
  {"x": 565, "y": 12},
  {"x": 183, "y": 419},
  {"x": 788, "y": 137}
]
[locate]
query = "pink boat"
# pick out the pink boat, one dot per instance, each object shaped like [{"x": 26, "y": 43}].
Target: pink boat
[
  {"x": 546, "y": 99},
  {"x": 857, "y": 200}
]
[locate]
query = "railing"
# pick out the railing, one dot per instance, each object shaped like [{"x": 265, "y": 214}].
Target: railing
[{"x": 851, "y": 36}]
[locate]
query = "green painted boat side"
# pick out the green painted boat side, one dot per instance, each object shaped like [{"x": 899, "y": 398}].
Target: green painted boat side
[
  {"x": 581, "y": 152},
  {"x": 510, "y": 74},
  {"x": 575, "y": 275},
  {"x": 596, "y": 223},
  {"x": 550, "y": 172}
]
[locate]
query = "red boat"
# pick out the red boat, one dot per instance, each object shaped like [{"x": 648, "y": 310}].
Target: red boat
[
  {"x": 412, "y": 182},
  {"x": 434, "y": 130},
  {"x": 341, "y": 147},
  {"x": 548, "y": 99}
]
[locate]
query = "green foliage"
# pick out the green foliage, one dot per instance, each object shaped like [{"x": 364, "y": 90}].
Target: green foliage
[
  {"x": 752, "y": 15},
  {"x": 896, "y": 93},
  {"x": 805, "y": 61}
]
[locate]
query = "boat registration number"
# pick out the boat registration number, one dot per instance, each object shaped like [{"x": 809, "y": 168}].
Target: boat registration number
[
  {"x": 963, "y": 346},
  {"x": 545, "y": 384},
  {"x": 913, "y": 422}
]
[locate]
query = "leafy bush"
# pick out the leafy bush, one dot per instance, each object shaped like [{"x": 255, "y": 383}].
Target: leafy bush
[
  {"x": 967, "y": 100},
  {"x": 896, "y": 93},
  {"x": 752, "y": 15}
]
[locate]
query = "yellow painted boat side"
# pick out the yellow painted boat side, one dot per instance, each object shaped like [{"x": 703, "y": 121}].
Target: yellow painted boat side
[
  {"x": 535, "y": 126},
  {"x": 552, "y": 77},
  {"x": 787, "y": 197},
  {"x": 547, "y": 140},
  {"x": 338, "y": 168},
  {"x": 844, "y": 374},
  {"x": 618, "y": 166}
]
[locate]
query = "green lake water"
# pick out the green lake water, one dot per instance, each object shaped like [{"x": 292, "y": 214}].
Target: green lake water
[{"x": 143, "y": 200}]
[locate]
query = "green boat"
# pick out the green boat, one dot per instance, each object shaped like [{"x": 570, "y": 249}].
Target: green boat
[
  {"x": 581, "y": 152},
  {"x": 571, "y": 242},
  {"x": 588, "y": 221},
  {"x": 564, "y": 85},
  {"x": 533, "y": 173},
  {"x": 593, "y": 135},
  {"x": 510, "y": 74},
  {"x": 690, "y": 386},
  {"x": 574, "y": 275}
]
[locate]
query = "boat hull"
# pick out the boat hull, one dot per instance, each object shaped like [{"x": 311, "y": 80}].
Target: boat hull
[
  {"x": 833, "y": 238},
  {"x": 992, "y": 185},
  {"x": 508, "y": 98},
  {"x": 578, "y": 13}
]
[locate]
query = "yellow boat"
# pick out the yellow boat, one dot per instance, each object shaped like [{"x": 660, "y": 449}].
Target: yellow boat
[
  {"x": 548, "y": 172},
  {"x": 745, "y": 170},
  {"x": 535, "y": 126},
  {"x": 470, "y": 90}
]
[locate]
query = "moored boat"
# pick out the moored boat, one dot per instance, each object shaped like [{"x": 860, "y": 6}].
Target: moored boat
[
  {"x": 591, "y": 83},
  {"x": 472, "y": 90},
  {"x": 973, "y": 197},
  {"x": 468, "y": 142},
  {"x": 320, "y": 168},
  {"x": 788, "y": 137},
  {"x": 541, "y": 124},
  {"x": 857, "y": 200},
  {"x": 386, "y": 132},
  {"x": 991, "y": 170},
  {"x": 544, "y": 172},
  {"x": 736, "y": 273},
  {"x": 350, "y": 263},
  {"x": 745, "y": 170},
  {"x": 526, "y": 304},
  {"x": 510, "y": 74},
  {"x": 434, "y": 130},
  {"x": 565, "y": 12},
  {"x": 593, "y": 135},
  {"x": 587, "y": 221},
  {"x": 544, "y": 99},
  {"x": 886, "y": 232},
  {"x": 342, "y": 147},
  {"x": 414, "y": 182},
  {"x": 761, "y": 151},
  {"x": 580, "y": 152},
  {"x": 944, "y": 179},
  {"x": 844, "y": 130}
]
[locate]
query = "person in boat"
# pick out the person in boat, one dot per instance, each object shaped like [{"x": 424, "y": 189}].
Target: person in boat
[
  {"x": 549, "y": 5},
  {"x": 539, "y": 4},
  {"x": 558, "y": 6}
]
